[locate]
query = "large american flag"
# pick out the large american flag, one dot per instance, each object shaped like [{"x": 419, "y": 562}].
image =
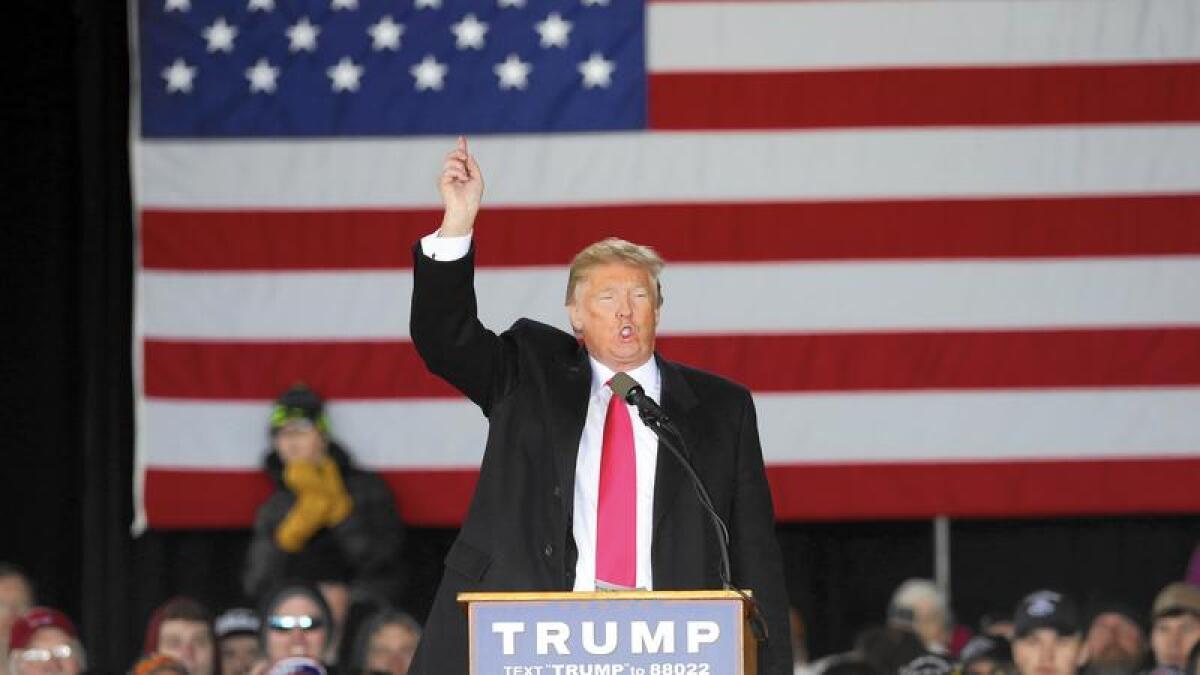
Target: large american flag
[{"x": 952, "y": 246}]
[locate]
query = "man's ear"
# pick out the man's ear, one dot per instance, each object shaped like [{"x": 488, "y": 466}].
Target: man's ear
[{"x": 575, "y": 316}]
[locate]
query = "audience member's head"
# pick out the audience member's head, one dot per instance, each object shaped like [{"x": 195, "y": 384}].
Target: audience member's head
[
  {"x": 43, "y": 641},
  {"x": 889, "y": 648},
  {"x": 1176, "y": 630},
  {"x": 299, "y": 427},
  {"x": 237, "y": 632},
  {"x": 1047, "y": 635},
  {"x": 987, "y": 655},
  {"x": 182, "y": 629},
  {"x": 997, "y": 623},
  {"x": 1115, "y": 642},
  {"x": 296, "y": 623},
  {"x": 16, "y": 597},
  {"x": 919, "y": 605},
  {"x": 386, "y": 643}
]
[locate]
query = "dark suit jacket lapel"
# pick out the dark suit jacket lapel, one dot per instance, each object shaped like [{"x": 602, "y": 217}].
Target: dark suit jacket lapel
[
  {"x": 678, "y": 401},
  {"x": 569, "y": 389}
]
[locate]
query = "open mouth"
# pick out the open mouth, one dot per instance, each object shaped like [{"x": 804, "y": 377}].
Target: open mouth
[{"x": 626, "y": 332}]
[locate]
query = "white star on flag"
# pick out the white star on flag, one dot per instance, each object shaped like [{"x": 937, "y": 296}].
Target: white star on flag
[
  {"x": 554, "y": 31},
  {"x": 469, "y": 32},
  {"x": 261, "y": 5},
  {"x": 177, "y": 6},
  {"x": 262, "y": 77},
  {"x": 591, "y": 3},
  {"x": 596, "y": 71},
  {"x": 220, "y": 36},
  {"x": 303, "y": 36},
  {"x": 345, "y": 75},
  {"x": 179, "y": 76},
  {"x": 513, "y": 72},
  {"x": 430, "y": 4},
  {"x": 386, "y": 34},
  {"x": 511, "y": 3},
  {"x": 343, "y": 4},
  {"x": 429, "y": 74}
]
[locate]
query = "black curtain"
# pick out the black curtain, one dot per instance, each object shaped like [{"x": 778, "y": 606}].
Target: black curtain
[{"x": 68, "y": 404}]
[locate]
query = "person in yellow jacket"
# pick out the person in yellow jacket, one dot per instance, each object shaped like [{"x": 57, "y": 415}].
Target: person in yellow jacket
[{"x": 327, "y": 520}]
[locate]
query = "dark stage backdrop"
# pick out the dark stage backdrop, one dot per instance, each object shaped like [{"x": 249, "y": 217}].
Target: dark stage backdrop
[{"x": 67, "y": 408}]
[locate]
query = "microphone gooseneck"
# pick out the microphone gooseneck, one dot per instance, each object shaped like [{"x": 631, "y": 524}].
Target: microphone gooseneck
[{"x": 656, "y": 419}]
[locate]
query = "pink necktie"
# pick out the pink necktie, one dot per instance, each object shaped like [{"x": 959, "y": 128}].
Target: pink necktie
[{"x": 616, "y": 514}]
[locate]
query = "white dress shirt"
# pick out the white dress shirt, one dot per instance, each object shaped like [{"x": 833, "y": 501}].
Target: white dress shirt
[
  {"x": 587, "y": 474},
  {"x": 587, "y": 463}
]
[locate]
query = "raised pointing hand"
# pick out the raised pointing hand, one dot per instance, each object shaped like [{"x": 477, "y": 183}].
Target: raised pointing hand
[{"x": 461, "y": 187}]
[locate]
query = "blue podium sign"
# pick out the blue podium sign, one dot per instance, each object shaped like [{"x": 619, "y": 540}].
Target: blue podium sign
[{"x": 683, "y": 633}]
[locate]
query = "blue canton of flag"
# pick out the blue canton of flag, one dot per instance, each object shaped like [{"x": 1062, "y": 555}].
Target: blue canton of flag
[{"x": 261, "y": 68}]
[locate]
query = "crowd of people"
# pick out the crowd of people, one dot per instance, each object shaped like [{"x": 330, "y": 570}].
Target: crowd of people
[
  {"x": 296, "y": 630},
  {"x": 324, "y": 569},
  {"x": 293, "y": 631},
  {"x": 1047, "y": 633}
]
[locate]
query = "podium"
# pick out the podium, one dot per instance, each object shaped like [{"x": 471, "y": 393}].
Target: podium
[{"x": 610, "y": 633}]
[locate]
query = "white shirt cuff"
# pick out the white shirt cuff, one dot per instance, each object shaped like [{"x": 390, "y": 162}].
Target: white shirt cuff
[{"x": 445, "y": 248}]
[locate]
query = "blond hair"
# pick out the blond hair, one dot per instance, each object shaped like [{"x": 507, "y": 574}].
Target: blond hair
[{"x": 613, "y": 250}]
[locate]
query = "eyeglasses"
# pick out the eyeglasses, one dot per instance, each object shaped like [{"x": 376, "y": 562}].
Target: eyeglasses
[
  {"x": 287, "y": 622},
  {"x": 42, "y": 655}
]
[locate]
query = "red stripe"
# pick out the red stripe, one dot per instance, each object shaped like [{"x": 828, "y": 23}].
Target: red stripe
[
  {"x": 176, "y": 498},
  {"x": 1008, "y": 489},
  {"x": 841, "y": 362},
  {"x": 261, "y": 370},
  {"x": 185, "y": 499},
  {"x": 1075, "y": 94},
  {"x": 918, "y": 229}
]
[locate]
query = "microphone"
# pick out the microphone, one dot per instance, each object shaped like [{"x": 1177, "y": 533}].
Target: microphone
[
  {"x": 653, "y": 417},
  {"x": 628, "y": 388}
]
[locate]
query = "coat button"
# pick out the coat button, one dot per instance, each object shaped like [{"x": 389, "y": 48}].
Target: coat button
[
  {"x": 548, "y": 550},
  {"x": 557, "y": 492}
]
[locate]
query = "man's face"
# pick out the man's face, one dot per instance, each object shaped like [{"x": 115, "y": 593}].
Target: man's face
[
  {"x": 1114, "y": 639},
  {"x": 50, "y": 652},
  {"x": 929, "y": 623},
  {"x": 299, "y": 442},
  {"x": 15, "y": 599},
  {"x": 615, "y": 309},
  {"x": 238, "y": 654},
  {"x": 1045, "y": 652},
  {"x": 391, "y": 649},
  {"x": 1173, "y": 637},
  {"x": 297, "y": 641},
  {"x": 188, "y": 641}
]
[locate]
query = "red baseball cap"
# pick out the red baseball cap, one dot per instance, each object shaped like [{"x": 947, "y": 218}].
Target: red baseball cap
[{"x": 38, "y": 617}]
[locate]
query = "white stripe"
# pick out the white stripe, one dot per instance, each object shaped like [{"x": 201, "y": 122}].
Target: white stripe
[
  {"x": 700, "y": 299},
  {"x": 412, "y": 433},
  {"x": 968, "y": 426},
  {"x": 678, "y": 167},
  {"x": 795, "y": 428},
  {"x": 733, "y": 36}
]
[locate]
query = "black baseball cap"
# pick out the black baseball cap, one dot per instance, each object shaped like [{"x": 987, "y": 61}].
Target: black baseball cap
[{"x": 1046, "y": 609}]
